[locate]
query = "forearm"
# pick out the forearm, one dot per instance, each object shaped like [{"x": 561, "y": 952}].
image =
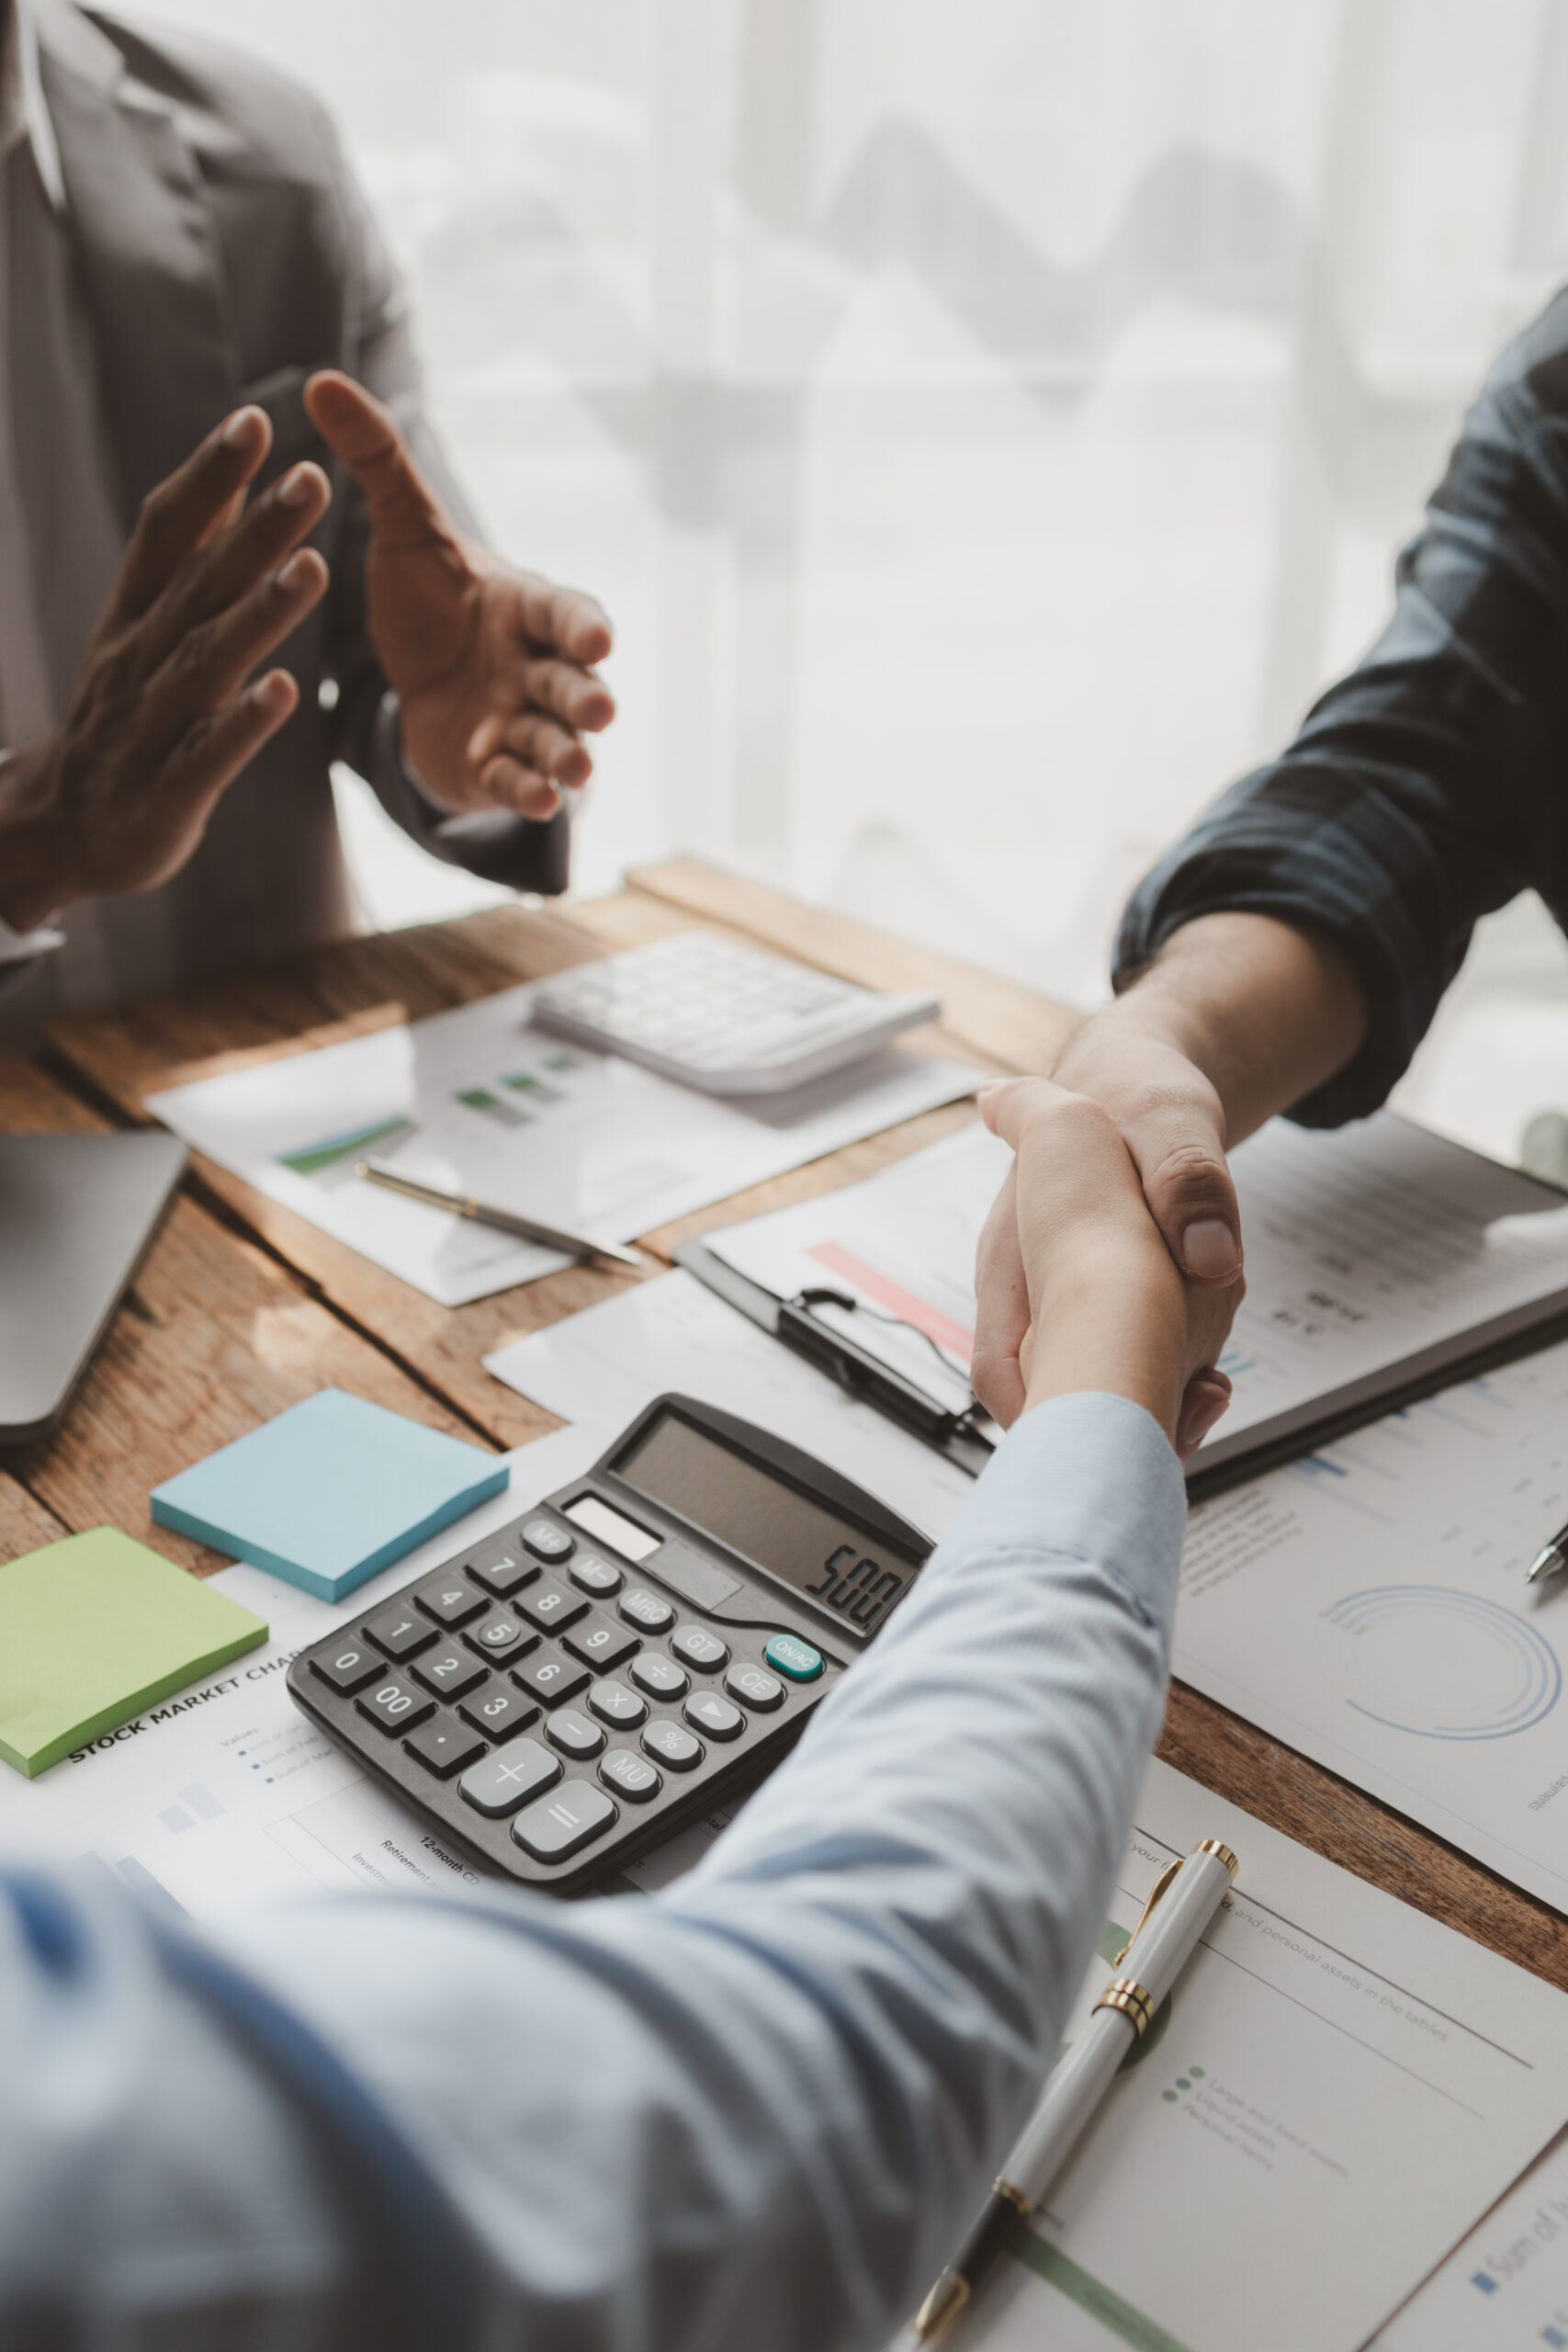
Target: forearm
[
  {"x": 1266, "y": 1011},
  {"x": 760, "y": 2107}
]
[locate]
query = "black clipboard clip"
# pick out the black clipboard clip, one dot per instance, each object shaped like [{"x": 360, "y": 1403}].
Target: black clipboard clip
[{"x": 858, "y": 1372}]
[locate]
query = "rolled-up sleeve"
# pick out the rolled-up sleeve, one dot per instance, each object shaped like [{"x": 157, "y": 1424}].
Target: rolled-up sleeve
[
  {"x": 1430, "y": 786},
  {"x": 758, "y": 2108}
]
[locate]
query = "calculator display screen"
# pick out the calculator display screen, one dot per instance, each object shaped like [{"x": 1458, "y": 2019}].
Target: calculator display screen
[{"x": 758, "y": 1515}]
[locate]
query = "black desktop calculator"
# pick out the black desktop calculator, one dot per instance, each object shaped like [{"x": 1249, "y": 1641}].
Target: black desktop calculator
[{"x": 639, "y": 1649}]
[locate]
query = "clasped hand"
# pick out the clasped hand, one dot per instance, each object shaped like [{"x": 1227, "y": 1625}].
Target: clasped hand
[{"x": 492, "y": 667}]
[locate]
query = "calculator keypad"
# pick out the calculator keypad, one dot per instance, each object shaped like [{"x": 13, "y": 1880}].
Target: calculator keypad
[{"x": 531, "y": 1694}]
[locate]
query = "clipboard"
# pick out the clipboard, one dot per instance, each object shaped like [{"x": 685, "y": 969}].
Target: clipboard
[{"x": 959, "y": 1437}]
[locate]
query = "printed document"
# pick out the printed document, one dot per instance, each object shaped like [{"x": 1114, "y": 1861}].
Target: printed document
[
  {"x": 1368, "y": 1605},
  {"x": 478, "y": 1101},
  {"x": 1504, "y": 2287},
  {"x": 1374, "y": 1256},
  {"x": 1335, "y": 2089}
]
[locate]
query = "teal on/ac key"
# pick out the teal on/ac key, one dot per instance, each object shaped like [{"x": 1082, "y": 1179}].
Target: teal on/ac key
[{"x": 795, "y": 1658}]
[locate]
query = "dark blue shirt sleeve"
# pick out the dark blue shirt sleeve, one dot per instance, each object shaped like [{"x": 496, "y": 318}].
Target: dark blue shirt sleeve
[{"x": 1430, "y": 786}]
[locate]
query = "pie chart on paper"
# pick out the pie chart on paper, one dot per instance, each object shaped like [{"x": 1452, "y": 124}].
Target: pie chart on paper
[{"x": 1439, "y": 1663}]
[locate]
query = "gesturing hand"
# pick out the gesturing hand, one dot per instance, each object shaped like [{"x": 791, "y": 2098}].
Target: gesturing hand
[
  {"x": 492, "y": 667},
  {"x": 161, "y": 720},
  {"x": 1088, "y": 1275}
]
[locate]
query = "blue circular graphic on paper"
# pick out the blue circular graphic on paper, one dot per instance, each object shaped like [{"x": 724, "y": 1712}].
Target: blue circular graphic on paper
[{"x": 1440, "y": 1664}]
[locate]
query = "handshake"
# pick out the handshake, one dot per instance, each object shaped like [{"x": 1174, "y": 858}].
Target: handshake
[{"x": 1077, "y": 1288}]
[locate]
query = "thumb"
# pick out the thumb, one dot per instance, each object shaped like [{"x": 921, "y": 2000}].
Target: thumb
[
  {"x": 1180, "y": 1152},
  {"x": 363, "y": 432}
]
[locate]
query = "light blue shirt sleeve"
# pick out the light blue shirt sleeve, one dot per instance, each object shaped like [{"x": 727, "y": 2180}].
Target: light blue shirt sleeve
[{"x": 756, "y": 2110}]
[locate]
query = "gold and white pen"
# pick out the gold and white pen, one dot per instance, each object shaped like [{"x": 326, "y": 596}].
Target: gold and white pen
[
  {"x": 1182, "y": 1901},
  {"x": 527, "y": 1229}
]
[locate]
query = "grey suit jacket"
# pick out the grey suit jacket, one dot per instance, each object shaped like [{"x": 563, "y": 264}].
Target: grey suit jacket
[{"x": 225, "y": 251}]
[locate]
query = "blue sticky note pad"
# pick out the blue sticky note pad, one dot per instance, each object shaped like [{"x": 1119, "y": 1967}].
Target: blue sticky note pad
[{"x": 329, "y": 1492}]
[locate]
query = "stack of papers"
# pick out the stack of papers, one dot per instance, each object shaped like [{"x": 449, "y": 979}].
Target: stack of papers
[{"x": 479, "y": 1103}]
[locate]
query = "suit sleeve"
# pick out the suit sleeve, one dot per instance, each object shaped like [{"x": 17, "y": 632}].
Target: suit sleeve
[
  {"x": 1430, "y": 786},
  {"x": 366, "y": 732}
]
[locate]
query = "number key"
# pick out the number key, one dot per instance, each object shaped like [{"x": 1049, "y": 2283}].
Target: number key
[
  {"x": 602, "y": 1644},
  {"x": 349, "y": 1668},
  {"x": 448, "y": 1673},
  {"x": 449, "y": 1600},
  {"x": 501, "y": 1566},
  {"x": 552, "y": 1608},
  {"x": 393, "y": 1707},
  {"x": 551, "y": 1677},
  {"x": 498, "y": 1712},
  {"x": 500, "y": 1635},
  {"x": 399, "y": 1632}
]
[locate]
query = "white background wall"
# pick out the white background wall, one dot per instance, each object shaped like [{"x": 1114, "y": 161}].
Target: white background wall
[{"x": 988, "y": 421}]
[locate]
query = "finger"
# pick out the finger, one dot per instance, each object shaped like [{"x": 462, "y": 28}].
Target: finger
[
  {"x": 180, "y": 515},
  {"x": 233, "y": 567},
  {"x": 1001, "y": 1321},
  {"x": 570, "y": 694},
  {"x": 211, "y": 662},
  {"x": 363, "y": 432},
  {"x": 564, "y": 620},
  {"x": 223, "y": 742},
  {"x": 507, "y": 783},
  {"x": 1180, "y": 1158},
  {"x": 1207, "y": 1396},
  {"x": 534, "y": 743},
  {"x": 1008, "y": 1109}
]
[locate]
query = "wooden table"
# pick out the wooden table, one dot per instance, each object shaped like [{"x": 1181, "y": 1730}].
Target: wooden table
[{"x": 241, "y": 1307}]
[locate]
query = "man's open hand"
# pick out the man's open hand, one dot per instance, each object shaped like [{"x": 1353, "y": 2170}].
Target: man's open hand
[
  {"x": 493, "y": 668},
  {"x": 160, "y": 719}
]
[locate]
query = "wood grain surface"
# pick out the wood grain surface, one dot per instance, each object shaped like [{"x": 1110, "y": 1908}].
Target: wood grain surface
[{"x": 242, "y": 1306}]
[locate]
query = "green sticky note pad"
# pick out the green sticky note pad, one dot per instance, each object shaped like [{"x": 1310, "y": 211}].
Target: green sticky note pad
[{"x": 95, "y": 1629}]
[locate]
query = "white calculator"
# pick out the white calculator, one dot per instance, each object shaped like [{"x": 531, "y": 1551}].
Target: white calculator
[{"x": 730, "y": 1020}]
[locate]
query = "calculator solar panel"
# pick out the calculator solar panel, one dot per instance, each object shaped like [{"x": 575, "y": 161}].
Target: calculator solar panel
[{"x": 564, "y": 1694}]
